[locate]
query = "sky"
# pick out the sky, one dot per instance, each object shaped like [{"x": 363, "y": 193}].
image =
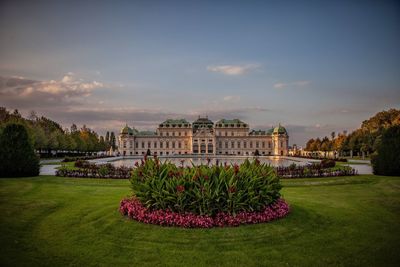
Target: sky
[{"x": 313, "y": 66}]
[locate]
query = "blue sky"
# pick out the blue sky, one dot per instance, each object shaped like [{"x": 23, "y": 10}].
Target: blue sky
[{"x": 314, "y": 66}]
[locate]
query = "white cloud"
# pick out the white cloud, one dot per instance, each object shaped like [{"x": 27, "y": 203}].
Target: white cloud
[
  {"x": 68, "y": 87},
  {"x": 231, "y": 98},
  {"x": 291, "y": 84},
  {"x": 233, "y": 69}
]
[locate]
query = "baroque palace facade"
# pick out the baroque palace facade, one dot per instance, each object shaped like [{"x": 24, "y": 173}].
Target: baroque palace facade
[{"x": 203, "y": 137}]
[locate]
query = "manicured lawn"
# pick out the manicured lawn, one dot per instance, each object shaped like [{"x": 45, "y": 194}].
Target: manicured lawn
[{"x": 345, "y": 221}]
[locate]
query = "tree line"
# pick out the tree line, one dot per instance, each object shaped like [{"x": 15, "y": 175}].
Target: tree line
[
  {"x": 364, "y": 140},
  {"x": 48, "y": 136}
]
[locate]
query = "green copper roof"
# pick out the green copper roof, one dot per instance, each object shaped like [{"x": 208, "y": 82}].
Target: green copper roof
[
  {"x": 128, "y": 130},
  {"x": 146, "y": 133},
  {"x": 175, "y": 123},
  {"x": 230, "y": 123},
  {"x": 258, "y": 132},
  {"x": 280, "y": 130}
]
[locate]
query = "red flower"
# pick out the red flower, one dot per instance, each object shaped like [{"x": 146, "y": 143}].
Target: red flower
[
  {"x": 180, "y": 188},
  {"x": 236, "y": 168},
  {"x": 232, "y": 189},
  {"x": 206, "y": 177}
]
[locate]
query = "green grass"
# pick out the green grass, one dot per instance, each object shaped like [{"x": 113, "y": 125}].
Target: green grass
[
  {"x": 344, "y": 221},
  {"x": 69, "y": 165}
]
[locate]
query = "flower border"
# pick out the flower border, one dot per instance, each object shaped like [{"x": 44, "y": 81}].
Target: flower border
[{"x": 132, "y": 208}]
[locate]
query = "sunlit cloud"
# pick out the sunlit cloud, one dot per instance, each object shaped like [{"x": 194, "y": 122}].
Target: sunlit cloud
[
  {"x": 231, "y": 98},
  {"x": 233, "y": 70},
  {"x": 291, "y": 84}
]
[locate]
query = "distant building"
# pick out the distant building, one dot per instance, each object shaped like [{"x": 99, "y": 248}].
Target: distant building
[{"x": 225, "y": 137}]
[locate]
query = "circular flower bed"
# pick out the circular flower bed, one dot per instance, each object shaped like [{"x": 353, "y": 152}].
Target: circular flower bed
[
  {"x": 132, "y": 208},
  {"x": 204, "y": 196}
]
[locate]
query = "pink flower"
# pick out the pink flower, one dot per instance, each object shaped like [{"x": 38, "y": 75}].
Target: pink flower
[{"x": 180, "y": 188}]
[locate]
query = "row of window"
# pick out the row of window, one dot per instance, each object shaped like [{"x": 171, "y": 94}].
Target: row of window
[
  {"x": 240, "y": 144},
  {"x": 233, "y": 133},
  {"x": 125, "y": 153},
  {"x": 174, "y": 133},
  {"x": 155, "y": 144}
]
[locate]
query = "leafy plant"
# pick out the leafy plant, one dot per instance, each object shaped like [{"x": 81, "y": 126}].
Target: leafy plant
[{"x": 205, "y": 190}]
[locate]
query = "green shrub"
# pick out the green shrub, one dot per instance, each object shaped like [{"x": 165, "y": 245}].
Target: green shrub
[
  {"x": 17, "y": 156},
  {"x": 327, "y": 163},
  {"x": 205, "y": 190},
  {"x": 387, "y": 159}
]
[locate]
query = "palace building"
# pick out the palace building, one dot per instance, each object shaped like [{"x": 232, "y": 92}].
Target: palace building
[{"x": 204, "y": 137}]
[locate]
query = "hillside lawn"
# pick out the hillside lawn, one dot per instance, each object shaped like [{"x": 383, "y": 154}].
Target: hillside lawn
[{"x": 344, "y": 221}]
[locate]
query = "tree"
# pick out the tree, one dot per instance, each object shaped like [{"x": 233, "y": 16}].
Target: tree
[
  {"x": 333, "y": 134},
  {"x": 17, "y": 155},
  {"x": 113, "y": 141},
  {"x": 387, "y": 159}
]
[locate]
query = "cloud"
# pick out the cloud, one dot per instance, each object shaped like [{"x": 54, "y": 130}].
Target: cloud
[
  {"x": 231, "y": 98},
  {"x": 48, "y": 92},
  {"x": 291, "y": 84},
  {"x": 233, "y": 70}
]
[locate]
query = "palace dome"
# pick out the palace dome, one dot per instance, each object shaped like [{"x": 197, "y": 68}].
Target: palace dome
[
  {"x": 280, "y": 130},
  {"x": 127, "y": 130}
]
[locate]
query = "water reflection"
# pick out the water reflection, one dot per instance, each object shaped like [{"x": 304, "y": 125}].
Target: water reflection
[{"x": 130, "y": 162}]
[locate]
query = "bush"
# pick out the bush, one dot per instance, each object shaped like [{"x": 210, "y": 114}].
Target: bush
[
  {"x": 17, "y": 156},
  {"x": 387, "y": 159},
  {"x": 205, "y": 190},
  {"x": 327, "y": 163},
  {"x": 91, "y": 170}
]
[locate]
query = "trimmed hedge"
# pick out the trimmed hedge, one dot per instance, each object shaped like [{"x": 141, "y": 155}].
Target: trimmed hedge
[
  {"x": 387, "y": 159},
  {"x": 17, "y": 156}
]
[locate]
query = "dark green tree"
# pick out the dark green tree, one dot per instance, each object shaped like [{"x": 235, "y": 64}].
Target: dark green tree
[
  {"x": 387, "y": 159},
  {"x": 17, "y": 155}
]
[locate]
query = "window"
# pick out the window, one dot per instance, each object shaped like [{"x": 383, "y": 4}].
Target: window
[
  {"x": 136, "y": 145},
  {"x": 173, "y": 144},
  {"x": 167, "y": 144},
  {"x": 226, "y": 133},
  {"x": 179, "y": 145},
  {"x": 173, "y": 133},
  {"x": 124, "y": 144},
  {"x": 257, "y": 144},
  {"x": 238, "y": 144},
  {"x": 263, "y": 144},
  {"x": 179, "y": 133},
  {"x": 220, "y": 144},
  {"x": 281, "y": 144},
  {"x": 232, "y": 133},
  {"x": 142, "y": 144},
  {"x": 130, "y": 144},
  {"x": 232, "y": 144},
  {"x": 269, "y": 144},
  {"x": 148, "y": 144},
  {"x": 244, "y": 144},
  {"x": 155, "y": 144},
  {"x": 185, "y": 133},
  {"x": 161, "y": 133},
  {"x": 251, "y": 144},
  {"x": 161, "y": 145},
  {"x": 167, "y": 133},
  {"x": 226, "y": 144}
]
